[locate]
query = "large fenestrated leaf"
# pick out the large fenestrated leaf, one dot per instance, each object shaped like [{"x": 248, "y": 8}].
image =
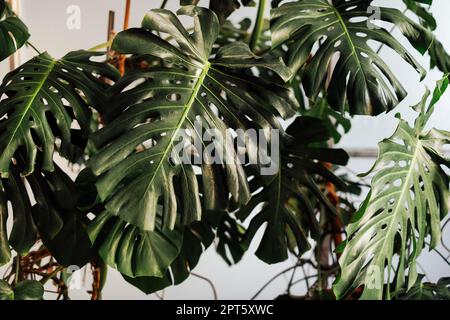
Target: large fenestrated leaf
[
  {"x": 149, "y": 109},
  {"x": 409, "y": 197},
  {"x": 133, "y": 252},
  {"x": 13, "y": 32},
  {"x": 287, "y": 203},
  {"x": 318, "y": 33},
  {"x": 43, "y": 98}
]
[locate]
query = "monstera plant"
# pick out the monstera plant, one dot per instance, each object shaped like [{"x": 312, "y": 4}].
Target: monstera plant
[{"x": 154, "y": 178}]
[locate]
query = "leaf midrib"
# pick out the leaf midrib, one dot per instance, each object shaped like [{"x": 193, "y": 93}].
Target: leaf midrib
[
  {"x": 347, "y": 35},
  {"x": 183, "y": 117},
  {"x": 405, "y": 188}
]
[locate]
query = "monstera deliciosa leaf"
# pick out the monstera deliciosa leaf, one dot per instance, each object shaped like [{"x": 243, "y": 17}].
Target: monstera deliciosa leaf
[
  {"x": 136, "y": 167},
  {"x": 13, "y": 32},
  {"x": 330, "y": 45},
  {"x": 43, "y": 98},
  {"x": 286, "y": 203},
  {"x": 408, "y": 199},
  {"x": 53, "y": 217}
]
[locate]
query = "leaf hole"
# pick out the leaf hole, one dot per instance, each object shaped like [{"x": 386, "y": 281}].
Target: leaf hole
[{"x": 173, "y": 97}]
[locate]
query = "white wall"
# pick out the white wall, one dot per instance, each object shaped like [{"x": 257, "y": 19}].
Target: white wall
[{"x": 47, "y": 22}]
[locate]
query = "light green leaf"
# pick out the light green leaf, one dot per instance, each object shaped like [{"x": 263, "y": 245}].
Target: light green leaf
[{"x": 409, "y": 197}]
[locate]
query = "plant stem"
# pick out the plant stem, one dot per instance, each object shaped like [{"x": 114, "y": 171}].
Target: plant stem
[
  {"x": 33, "y": 47},
  {"x": 273, "y": 279},
  {"x": 258, "y": 25},
  {"x": 211, "y": 284},
  {"x": 163, "y": 4},
  {"x": 51, "y": 275},
  {"x": 17, "y": 275}
]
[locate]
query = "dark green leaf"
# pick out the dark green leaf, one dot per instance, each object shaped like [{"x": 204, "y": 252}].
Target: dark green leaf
[
  {"x": 55, "y": 191},
  {"x": 28, "y": 290},
  {"x": 421, "y": 11},
  {"x": 336, "y": 123},
  {"x": 44, "y": 96},
  {"x": 222, "y": 8},
  {"x": 230, "y": 235},
  {"x": 196, "y": 238},
  {"x": 135, "y": 253},
  {"x": 24, "y": 233},
  {"x": 5, "y": 252},
  {"x": 341, "y": 32},
  {"x": 6, "y": 292},
  {"x": 53, "y": 217},
  {"x": 439, "y": 56},
  {"x": 13, "y": 32},
  {"x": 288, "y": 200},
  {"x": 428, "y": 291}
]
